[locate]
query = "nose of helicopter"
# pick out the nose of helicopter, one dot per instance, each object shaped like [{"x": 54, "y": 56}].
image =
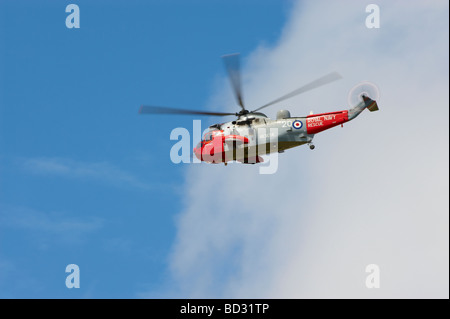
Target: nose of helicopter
[{"x": 198, "y": 152}]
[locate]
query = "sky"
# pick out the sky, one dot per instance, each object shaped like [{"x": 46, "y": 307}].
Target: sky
[{"x": 86, "y": 180}]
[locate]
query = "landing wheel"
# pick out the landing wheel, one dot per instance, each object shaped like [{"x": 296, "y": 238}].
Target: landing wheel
[{"x": 311, "y": 146}]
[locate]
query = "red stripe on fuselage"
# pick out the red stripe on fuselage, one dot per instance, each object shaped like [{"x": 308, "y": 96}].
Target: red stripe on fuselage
[{"x": 316, "y": 123}]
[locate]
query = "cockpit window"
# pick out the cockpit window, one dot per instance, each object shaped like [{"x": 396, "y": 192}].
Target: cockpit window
[{"x": 208, "y": 137}]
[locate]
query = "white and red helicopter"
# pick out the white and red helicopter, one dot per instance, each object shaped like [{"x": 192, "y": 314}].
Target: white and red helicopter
[{"x": 251, "y": 135}]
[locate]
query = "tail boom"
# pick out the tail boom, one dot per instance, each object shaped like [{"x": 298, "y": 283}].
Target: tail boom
[{"x": 320, "y": 122}]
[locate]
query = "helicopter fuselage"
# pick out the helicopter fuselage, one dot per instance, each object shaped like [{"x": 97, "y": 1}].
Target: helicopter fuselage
[{"x": 254, "y": 134}]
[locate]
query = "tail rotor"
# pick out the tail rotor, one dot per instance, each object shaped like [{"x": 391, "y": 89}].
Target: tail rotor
[{"x": 361, "y": 91}]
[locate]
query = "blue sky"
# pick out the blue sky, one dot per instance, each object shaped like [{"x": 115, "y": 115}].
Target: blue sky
[{"x": 83, "y": 178}]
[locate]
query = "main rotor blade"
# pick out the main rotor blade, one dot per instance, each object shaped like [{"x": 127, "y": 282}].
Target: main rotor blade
[
  {"x": 146, "y": 109},
  {"x": 233, "y": 68},
  {"x": 315, "y": 84}
]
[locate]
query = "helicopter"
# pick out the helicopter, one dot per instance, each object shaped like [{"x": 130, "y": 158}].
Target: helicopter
[{"x": 253, "y": 134}]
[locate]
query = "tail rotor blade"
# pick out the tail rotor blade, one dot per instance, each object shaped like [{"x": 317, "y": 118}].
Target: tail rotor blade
[{"x": 362, "y": 89}]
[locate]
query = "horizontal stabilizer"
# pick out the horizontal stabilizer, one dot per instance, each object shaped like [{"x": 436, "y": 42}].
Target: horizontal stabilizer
[{"x": 371, "y": 105}]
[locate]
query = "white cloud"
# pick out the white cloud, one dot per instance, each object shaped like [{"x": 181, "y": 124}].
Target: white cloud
[{"x": 373, "y": 192}]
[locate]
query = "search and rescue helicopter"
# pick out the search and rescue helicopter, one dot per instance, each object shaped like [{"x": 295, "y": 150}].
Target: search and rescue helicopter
[{"x": 253, "y": 134}]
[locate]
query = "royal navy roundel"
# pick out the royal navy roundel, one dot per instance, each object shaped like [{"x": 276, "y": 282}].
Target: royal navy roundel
[{"x": 297, "y": 124}]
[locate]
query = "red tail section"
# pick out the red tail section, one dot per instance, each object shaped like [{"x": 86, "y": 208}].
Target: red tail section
[{"x": 320, "y": 122}]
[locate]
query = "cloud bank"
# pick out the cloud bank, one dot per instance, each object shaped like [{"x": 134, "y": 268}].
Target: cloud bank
[{"x": 374, "y": 192}]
